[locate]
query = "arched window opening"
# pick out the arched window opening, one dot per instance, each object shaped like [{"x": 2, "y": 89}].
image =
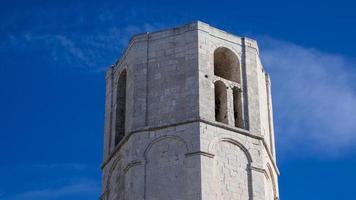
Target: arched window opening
[
  {"x": 238, "y": 108},
  {"x": 220, "y": 102},
  {"x": 226, "y": 64},
  {"x": 120, "y": 108}
]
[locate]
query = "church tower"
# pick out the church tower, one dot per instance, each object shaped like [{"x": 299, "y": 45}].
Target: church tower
[{"x": 189, "y": 117}]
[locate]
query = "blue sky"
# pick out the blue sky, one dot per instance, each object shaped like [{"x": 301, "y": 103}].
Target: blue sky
[{"x": 53, "y": 58}]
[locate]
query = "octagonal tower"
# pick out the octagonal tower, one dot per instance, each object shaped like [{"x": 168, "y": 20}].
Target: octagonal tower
[{"x": 189, "y": 117}]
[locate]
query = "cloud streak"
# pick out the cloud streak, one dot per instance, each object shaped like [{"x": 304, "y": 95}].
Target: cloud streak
[
  {"x": 79, "y": 189},
  {"x": 92, "y": 51},
  {"x": 314, "y": 99},
  {"x": 79, "y": 44},
  {"x": 52, "y": 181}
]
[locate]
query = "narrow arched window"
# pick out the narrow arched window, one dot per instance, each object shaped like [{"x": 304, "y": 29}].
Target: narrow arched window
[
  {"x": 226, "y": 64},
  {"x": 220, "y": 102},
  {"x": 237, "y": 107},
  {"x": 120, "y": 108}
]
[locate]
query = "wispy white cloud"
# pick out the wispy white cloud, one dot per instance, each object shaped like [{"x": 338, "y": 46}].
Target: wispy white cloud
[
  {"x": 92, "y": 51},
  {"x": 92, "y": 41},
  {"x": 314, "y": 97},
  {"x": 55, "y": 181},
  {"x": 82, "y": 188}
]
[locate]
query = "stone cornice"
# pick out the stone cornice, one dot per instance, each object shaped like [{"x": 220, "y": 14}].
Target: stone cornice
[{"x": 198, "y": 120}]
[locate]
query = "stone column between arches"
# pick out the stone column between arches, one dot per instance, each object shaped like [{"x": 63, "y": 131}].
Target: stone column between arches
[{"x": 230, "y": 106}]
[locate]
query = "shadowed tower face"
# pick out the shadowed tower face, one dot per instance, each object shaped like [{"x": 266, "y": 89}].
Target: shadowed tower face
[{"x": 189, "y": 116}]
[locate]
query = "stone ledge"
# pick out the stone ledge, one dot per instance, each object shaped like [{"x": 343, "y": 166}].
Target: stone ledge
[{"x": 198, "y": 120}]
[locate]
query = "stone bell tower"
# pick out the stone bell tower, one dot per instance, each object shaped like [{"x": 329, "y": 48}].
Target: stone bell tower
[{"x": 189, "y": 117}]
